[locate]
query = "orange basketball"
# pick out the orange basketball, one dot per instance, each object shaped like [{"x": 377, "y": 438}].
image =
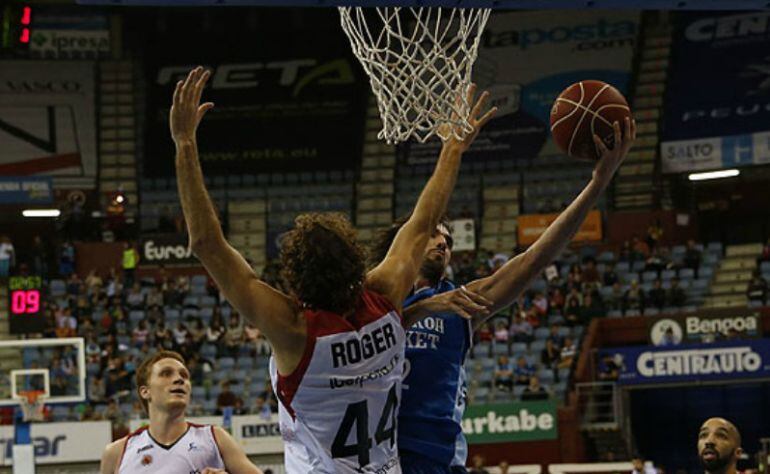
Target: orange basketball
[{"x": 584, "y": 109}]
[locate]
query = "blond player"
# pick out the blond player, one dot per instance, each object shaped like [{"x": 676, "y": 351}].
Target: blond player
[{"x": 171, "y": 444}]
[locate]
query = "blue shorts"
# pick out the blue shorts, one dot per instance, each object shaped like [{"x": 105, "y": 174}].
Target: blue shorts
[{"x": 413, "y": 463}]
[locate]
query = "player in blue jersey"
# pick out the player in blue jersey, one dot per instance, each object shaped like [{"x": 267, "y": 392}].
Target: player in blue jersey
[{"x": 430, "y": 438}]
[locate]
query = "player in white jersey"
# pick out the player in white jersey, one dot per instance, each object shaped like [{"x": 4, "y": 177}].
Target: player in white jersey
[
  {"x": 337, "y": 336},
  {"x": 170, "y": 444}
]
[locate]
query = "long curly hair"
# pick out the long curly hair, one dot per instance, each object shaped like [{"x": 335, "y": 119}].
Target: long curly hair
[
  {"x": 323, "y": 264},
  {"x": 385, "y": 237}
]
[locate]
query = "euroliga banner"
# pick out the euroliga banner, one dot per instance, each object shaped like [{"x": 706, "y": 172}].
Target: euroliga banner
[
  {"x": 748, "y": 359},
  {"x": 718, "y": 93}
]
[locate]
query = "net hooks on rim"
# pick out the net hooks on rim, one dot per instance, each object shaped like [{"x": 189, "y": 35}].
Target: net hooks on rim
[{"x": 419, "y": 61}]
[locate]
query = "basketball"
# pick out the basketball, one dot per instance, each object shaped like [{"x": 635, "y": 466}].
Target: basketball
[{"x": 584, "y": 109}]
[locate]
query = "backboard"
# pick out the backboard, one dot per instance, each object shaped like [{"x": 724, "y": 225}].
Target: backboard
[{"x": 56, "y": 367}]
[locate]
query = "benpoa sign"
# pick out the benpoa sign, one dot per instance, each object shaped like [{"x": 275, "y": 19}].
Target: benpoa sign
[
  {"x": 166, "y": 249},
  {"x": 673, "y": 330},
  {"x": 57, "y": 443},
  {"x": 507, "y": 422}
]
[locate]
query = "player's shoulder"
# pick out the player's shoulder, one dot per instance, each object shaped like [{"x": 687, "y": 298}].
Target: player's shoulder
[{"x": 112, "y": 454}]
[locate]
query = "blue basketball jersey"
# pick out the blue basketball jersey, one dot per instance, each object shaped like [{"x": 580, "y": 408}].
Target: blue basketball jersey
[{"x": 434, "y": 390}]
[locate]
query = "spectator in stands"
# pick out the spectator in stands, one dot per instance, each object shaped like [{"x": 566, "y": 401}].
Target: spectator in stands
[
  {"x": 572, "y": 309},
  {"x": 214, "y": 333},
  {"x": 113, "y": 412},
  {"x": 7, "y": 256},
  {"x": 501, "y": 333},
  {"x": 575, "y": 276},
  {"x": 162, "y": 338},
  {"x": 227, "y": 399},
  {"x": 154, "y": 299},
  {"x": 550, "y": 355},
  {"x": 557, "y": 300},
  {"x": 676, "y": 295},
  {"x": 166, "y": 221},
  {"x": 633, "y": 298},
  {"x": 89, "y": 414},
  {"x": 97, "y": 390},
  {"x": 555, "y": 337},
  {"x": 657, "y": 295},
  {"x": 141, "y": 334},
  {"x": 614, "y": 300},
  {"x": 130, "y": 261},
  {"x": 520, "y": 330},
  {"x": 503, "y": 467},
  {"x": 523, "y": 371},
  {"x": 591, "y": 277},
  {"x": 534, "y": 390},
  {"x": 135, "y": 297},
  {"x": 92, "y": 349},
  {"x": 261, "y": 408},
  {"x": 66, "y": 259},
  {"x": 484, "y": 333},
  {"x": 137, "y": 411},
  {"x": 610, "y": 277},
  {"x": 540, "y": 304},
  {"x": 669, "y": 338},
  {"x": 197, "y": 334},
  {"x": 233, "y": 337},
  {"x": 504, "y": 374},
  {"x": 568, "y": 353},
  {"x": 655, "y": 262},
  {"x": 654, "y": 234},
  {"x": 625, "y": 252},
  {"x": 757, "y": 289},
  {"x": 66, "y": 324},
  {"x": 477, "y": 465},
  {"x": 692, "y": 257},
  {"x": 642, "y": 467},
  {"x": 180, "y": 334}
]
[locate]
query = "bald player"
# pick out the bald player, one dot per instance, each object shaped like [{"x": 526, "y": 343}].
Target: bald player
[{"x": 719, "y": 446}]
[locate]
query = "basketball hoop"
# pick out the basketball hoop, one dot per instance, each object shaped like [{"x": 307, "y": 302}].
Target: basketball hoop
[
  {"x": 419, "y": 62},
  {"x": 32, "y": 405}
]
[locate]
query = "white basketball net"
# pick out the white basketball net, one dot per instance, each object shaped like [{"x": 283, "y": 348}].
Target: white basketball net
[{"x": 419, "y": 62}]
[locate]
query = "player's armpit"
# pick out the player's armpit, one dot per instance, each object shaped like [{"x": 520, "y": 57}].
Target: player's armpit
[{"x": 235, "y": 459}]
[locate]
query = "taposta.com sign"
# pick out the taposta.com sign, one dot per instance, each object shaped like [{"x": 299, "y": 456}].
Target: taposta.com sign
[{"x": 507, "y": 422}]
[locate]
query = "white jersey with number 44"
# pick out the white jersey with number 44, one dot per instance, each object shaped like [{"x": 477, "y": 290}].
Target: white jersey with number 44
[{"x": 339, "y": 408}]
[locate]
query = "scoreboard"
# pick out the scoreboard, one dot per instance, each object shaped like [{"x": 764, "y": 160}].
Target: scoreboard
[{"x": 25, "y": 304}]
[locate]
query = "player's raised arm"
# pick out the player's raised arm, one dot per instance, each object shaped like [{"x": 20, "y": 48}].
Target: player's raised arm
[
  {"x": 268, "y": 309},
  {"x": 395, "y": 275},
  {"x": 505, "y": 285}
]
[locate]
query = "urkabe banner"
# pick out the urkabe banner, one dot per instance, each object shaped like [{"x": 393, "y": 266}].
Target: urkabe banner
[
  {"x": 717, "y": 112},
  {"x": 747, "y": 359},
  {"x": 526, "y": 59},
  {"x": 282, "y": 103}
]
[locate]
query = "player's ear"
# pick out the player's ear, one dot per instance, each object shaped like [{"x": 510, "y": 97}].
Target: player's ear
[{"x": 144, "y": 392}]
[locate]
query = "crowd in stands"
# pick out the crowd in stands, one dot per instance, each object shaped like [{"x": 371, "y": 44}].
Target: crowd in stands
[{"x": 525, "y": 352}]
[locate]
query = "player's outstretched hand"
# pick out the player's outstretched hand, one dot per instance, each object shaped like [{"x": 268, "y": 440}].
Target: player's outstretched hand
[
  {"x": 610, "y": 159},
  {"x": 475, "y": 118},
  {"x": 186, "y": 110},
  {"x": 461, "y": 301}
]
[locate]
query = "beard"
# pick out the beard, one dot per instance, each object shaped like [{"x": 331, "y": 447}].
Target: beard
[
  {"x": 432, "y": 270},
  {"x": 718, "y": 464}
]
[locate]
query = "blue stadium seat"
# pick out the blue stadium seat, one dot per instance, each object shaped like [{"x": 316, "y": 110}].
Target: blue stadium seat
[
  {"x": 190, "y": 301},
  {"x": 649, "y": 276},
  {"x": 564, "y": 331},
  {"x": 480, "y": 394},
  {"x": 537, "y": 346},
  {"x": 518, "y": 348},
  {"x": 606, "y": 257},
  {"x": 58, "y": 287},
  {"x": 622, "y": 267},
  {"x": 564, "y": 374},
  {"x": 633, "y": 312},
  {"x": 667, "y": 275},
  {"x": 706, "y": 272},
  {"x": 764, "y": 267},
  {"x": 542, "y": 333},
  {"x": 208, "y": 301},
  {"x": 226, "y": 363},
  {"x": 651, "y": 311},
  {"x": 199, "y": 393},
  {"x": 482, "y": 349},
  {"x": 485, "y": 377},
  {"x": 136, "y": 316},
  {"x": 615, "y": 313},
  {"x": 518, "y": 390},
  {"x": 171, "y": 313},
  {"x": 577, "y": 332},
  {"x": 500, "y": 349},
  {"x": 546, "y": 376}
]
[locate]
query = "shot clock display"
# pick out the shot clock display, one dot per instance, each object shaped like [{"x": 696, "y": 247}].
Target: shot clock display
[{"x": 25, "y": 304}]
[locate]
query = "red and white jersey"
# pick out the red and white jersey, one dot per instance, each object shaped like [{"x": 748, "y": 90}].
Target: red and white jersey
[
  {"x": 196, "y": 450},
  {"x": 339, "y": 408}
]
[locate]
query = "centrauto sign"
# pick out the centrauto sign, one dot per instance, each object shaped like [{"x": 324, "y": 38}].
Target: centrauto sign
[
  {"x": 301, "y": 106},
  {"x": 510, "y": 422},
  {"x": 692, "y": 363},
  {"x": 672, "y": 330}
]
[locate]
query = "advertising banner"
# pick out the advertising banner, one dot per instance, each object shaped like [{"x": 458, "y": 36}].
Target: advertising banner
[
  {"x": 57, "y": 443},
  {"x": 166, "y": 249},
  {"x": 532, "y": 226},
  {"x": 673, "y": 330},
  {"x": 510, "y": 422},
  {"x": 691, "y": 363},
  {"x": 526, "y": 59},
  {"x": 25, "y": 190},
  {"x": 719, "y": 123}
]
